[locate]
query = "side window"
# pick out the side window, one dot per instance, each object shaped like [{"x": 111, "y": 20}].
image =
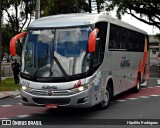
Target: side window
[
  {"x": 117, "y": 38},
  {"x": 123, "y": 39},
  {"x": 97, "y": 58},
  {"x": 112, "y": 38},
  {"x": 100, "y": 44}
]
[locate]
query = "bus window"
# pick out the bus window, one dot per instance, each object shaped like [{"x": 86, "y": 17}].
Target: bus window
[
  {"x": 96, "y": 58},
  {"x": 100, "y": 44}
]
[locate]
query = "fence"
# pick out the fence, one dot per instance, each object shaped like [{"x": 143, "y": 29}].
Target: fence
[{"x": 6, "y": 70}]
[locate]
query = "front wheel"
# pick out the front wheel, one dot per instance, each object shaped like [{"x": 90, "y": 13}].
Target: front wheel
[{"x": 107, "y": 98}]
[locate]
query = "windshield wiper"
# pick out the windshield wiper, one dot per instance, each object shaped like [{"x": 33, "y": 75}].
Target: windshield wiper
[{"x": 61, "y": 68}]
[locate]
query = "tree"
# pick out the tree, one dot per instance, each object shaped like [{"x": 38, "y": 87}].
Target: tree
[
  {"x": 19, "y": 12},
  {"x": 7, "y": 34},
  {"x": 144, "y": 8},
  {"x": 100, "y": 5},
  {"x": 90, "y": 7},
  {"x": 63, "y": 7},
  {"x": 0, "y": 38}
]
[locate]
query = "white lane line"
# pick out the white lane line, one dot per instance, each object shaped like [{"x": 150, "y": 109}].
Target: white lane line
[
  {"x": 132, "y": 98},
  {"x": 23, "y": 116},
  {"x": 158, "y": 81},
  {"x": 155, "y": 95},
  {"x": 144, "y": 96},
  {"x": 4, "y": 118},
  {"x": 121, "y": 100},
  {"x": 19, "y": 103},
  {"x": 6, "y": 105}
]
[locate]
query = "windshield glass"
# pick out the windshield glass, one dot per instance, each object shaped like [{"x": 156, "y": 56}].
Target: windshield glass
[{"x": 56, "y": 52}]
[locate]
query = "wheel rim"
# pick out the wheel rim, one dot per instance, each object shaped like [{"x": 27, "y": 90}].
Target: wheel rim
[
  {"x": 138, "y": 85},
  {"x": 106, "y": 98}
]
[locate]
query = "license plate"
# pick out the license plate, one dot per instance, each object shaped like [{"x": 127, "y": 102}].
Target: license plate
[{"x": 51, "y": 105}]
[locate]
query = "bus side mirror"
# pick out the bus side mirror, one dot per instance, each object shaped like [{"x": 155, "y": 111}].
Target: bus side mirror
[
  {"x": 13, "y": 43},
  {"x": 92, "y": 40}
]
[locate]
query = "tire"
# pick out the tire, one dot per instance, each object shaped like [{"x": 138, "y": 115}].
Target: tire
[
  {"x": 137, "y": 88},
  {"x": 107, "y": 98}
]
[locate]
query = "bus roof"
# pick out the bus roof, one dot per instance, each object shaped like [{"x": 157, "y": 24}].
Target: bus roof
[{"x": 78, "y": 19}]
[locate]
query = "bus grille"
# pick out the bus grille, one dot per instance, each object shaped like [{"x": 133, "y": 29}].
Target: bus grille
[
  {"x": 54, "y": 93},
  {"x": 59, "y": 101}
]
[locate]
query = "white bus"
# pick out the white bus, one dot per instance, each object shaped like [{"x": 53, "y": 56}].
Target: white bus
[{"x": 80, "y": 60}]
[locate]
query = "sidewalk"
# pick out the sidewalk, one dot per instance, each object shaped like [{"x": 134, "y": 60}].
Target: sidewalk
[{"x": 5, "y": 94}]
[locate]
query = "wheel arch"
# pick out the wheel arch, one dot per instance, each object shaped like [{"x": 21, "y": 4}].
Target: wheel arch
[{"x": 110, "y": 84}]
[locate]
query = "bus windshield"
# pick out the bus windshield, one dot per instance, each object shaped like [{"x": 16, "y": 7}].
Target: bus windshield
[{"x": 56, "y": 52}]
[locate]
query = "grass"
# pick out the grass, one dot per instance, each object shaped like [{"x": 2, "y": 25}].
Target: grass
[{"x": 9, "y": 85}]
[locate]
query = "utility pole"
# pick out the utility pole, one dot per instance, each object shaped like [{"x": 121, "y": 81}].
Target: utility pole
[
  {"x": 77, "y": 6},
  {"x": 90, "y": 7},
  {"x": 0, "y": 37},
  {"x": 37, "y": 15}
]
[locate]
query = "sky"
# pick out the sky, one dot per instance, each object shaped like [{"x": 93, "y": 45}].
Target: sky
[{"x": 151, "y": 30}]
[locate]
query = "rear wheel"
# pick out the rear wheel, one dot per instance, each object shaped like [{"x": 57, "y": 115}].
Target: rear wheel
[{"x": 137, "y": 88}]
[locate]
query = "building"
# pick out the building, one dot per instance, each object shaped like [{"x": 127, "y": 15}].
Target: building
[{"x": 154, "y": 44}]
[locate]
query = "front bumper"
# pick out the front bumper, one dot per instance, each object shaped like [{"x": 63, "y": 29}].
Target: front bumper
[{"x": 79, "y": 100}]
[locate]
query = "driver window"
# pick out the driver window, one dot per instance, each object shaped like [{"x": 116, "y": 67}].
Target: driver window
[
  {"x": 100, "y": 44},
  {"x": 97, "y": 58}
]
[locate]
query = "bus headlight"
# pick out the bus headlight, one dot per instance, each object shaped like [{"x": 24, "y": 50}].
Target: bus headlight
[
  {"x": 24, "y": 88},
  {"x": 81, "y": 88}
]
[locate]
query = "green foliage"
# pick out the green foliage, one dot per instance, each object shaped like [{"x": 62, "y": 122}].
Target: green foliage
[
  {"x": 7, "y": 34},
  {"x": 22, "y": 10},
  {"x": 8, "y": 85},
  {"x": 53, "y": 7},
  {"x": 2, "y": 73},
  {"x": 157, "y": 36},
  {"x": 145, "y": 8}
]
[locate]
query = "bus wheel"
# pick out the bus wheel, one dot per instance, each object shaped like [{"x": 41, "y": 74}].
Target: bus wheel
[
  {"x": 107, "y": 97},
  {"x": 137, "y": 88}
]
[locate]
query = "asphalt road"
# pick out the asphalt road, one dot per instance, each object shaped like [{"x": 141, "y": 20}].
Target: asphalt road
[
  {"x": 125, "y": 107},
  {"x": 123, "y": 110}
]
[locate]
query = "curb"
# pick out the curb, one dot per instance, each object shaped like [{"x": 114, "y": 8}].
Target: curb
[{"x": 7, "y": 94}]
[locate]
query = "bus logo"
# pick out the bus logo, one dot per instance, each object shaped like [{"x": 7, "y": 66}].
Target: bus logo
[
  {"x": 49, "y": 93},
  {"x": 125, "y": 62},
  {"x": 49, "y": 87}
]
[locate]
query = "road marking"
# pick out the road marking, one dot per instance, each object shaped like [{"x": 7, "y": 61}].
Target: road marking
[
  {"x": 155, "y": 95},
  {"x": 120, "y": 100},
  {"x": 23, "y": 116},
  {"x": 144, "y": 96},
  {"x": 5, "y": 105},
  {"x": 132, "y": 98},
  {"x": 4, "y": 118},
  {"x": 19, "y": 103},
  {"x": 158, "y": 81}
]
